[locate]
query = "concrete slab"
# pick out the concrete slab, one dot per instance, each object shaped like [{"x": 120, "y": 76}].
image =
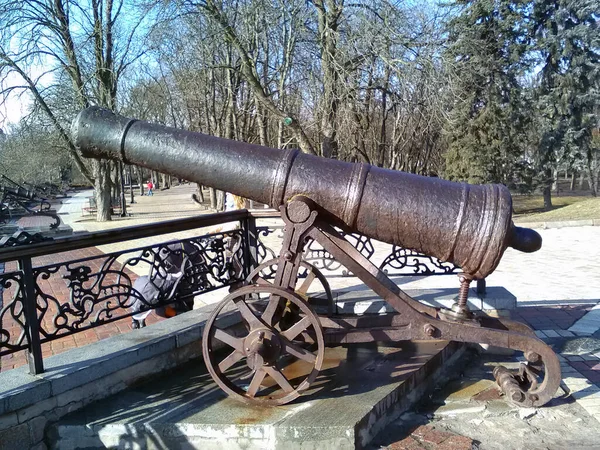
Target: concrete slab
[
  {"x": 359, "y": 391},
  {"x": 566, "y": 422},
  {"x": 361, "y": 300}
]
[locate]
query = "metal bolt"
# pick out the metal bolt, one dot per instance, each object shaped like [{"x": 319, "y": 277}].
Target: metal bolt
[
  {"x": 288, "y": 256},
  {"x": 429, "y": 329},
  {"x": 516, "y": 396},
  {"x": 532, "y": 357}
]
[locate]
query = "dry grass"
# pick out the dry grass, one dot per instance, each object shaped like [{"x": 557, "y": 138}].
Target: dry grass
[{"x": 531, "y": 208}]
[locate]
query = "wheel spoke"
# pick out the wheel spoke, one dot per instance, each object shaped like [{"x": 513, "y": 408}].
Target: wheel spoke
[
  {"x": 230, "y": 360},
  {"x": 297, "y": 328},
  {"x": 308, "y": 281},
  {"x": 299, "y": 352},
  {"x": 257, "y": 379},
  {"x": 228, "y": 339},
  {"x": 246, "y": 313},
  {"x": 271, "y": 309},
  {"x": 263, "y": 282},
  {"x": 279, "y": 378}
]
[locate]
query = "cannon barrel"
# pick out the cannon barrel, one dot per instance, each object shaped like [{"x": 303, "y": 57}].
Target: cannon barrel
[
  {"x": 20, "y": 192},
  {"x": 469, "y": 225}
]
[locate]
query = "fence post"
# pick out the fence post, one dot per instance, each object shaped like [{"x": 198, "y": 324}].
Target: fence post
[
  {"x": 251, "y": 237},
  {"x": 481, "y": 287},
  {"x": 34, "y": 352}
]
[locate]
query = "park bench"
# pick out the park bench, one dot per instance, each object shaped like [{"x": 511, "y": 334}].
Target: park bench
[{"x": 92, "y": 207}]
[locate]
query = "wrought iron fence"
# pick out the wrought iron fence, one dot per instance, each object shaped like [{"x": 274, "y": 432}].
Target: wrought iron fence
[
  {"x": 44, "y": 301},
  {"x": 393, "y": 260},
  {"x": 46, "y": 295}
]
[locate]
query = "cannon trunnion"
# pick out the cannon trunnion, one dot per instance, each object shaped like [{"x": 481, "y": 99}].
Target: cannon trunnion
[{"x": 467, "y": 225}]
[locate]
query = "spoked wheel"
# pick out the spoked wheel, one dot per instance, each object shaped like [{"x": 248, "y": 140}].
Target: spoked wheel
[
  {"x": 261, "y": 363},
  {"x": 310, "y": 279}
]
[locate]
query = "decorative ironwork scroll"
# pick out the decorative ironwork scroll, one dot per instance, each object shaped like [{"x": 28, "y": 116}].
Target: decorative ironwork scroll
[
  {"x": 399, "y": 261},
  {"x": 264, "y": 252},
  {"x": 323, "y": 260},
  {"x": 403, "y": 261},
  {"x": 13, "y": 336},
  {"x": 102, "y": 288}
]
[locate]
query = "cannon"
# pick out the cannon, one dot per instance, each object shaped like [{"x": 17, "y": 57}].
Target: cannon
[
  {"x": 278, "y": 352},
  {"x": 17, "y": 201}
]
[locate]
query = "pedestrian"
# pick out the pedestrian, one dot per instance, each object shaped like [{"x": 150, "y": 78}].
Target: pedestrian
[{"x": 150, "y": 186}]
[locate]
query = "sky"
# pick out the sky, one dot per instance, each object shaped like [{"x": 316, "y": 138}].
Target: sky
[{"x": 16, "y": 106}]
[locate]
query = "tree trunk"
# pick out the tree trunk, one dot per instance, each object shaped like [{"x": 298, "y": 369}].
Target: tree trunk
[
  {"x": 592, "y": 181},
  {"x": 581, "y": 180},
  {"x": 114, "y": 179},
  {"x": 131, "y": 198},
  {"x": 198, "y": 195},
  {"x": 155, "y": 180},
  {"x": 122, "y": 189},
  {"x": 220, "y": 200},
  {"x": 165, "y": 182},
  {"x": 548, "y": 198},
  {"x": 548, "y": 189},
  {"x": 102, "y": 185},
  {"x": 213, "y": 198},
  {"x": 261, "y": 122},
  {"x": 572, "y": 185},
  {"x": 328, "y": 15},
  {"x": 140, "y": 178}
]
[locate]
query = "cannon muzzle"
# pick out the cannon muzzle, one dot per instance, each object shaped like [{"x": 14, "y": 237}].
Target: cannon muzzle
[{"x": 469, "y": 225}]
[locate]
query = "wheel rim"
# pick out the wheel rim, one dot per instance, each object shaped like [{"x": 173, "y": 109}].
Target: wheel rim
[
  {"x": 264, "y": 365},
  {"x": 311, "y": 275}
]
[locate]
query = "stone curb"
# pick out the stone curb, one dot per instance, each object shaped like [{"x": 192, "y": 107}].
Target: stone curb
[
  {"x": 80, "y": 366},
  {"x": 560, "y": 224}
]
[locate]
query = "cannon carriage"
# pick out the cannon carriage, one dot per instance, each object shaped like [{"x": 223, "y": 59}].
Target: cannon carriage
[{"x": 276, "y": 350}]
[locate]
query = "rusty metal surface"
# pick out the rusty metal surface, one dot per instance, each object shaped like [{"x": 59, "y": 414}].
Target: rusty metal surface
[
  {"x": 308, "y": 276},
  {"x": 465, "y": 224},
  {"x": 468, "y": 225}
]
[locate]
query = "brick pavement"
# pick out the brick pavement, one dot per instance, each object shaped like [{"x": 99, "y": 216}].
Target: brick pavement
[
  {"x": 429, "y": 437},
  {"x": 550, "y": 317},
  {"x": 578, "y": 351}
]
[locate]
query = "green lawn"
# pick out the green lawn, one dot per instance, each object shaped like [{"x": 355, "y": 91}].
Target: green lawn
[{"x": 530, "y": 208}]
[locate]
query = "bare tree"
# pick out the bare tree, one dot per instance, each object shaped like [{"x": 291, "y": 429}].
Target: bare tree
[{"x": 90, "y": 44}]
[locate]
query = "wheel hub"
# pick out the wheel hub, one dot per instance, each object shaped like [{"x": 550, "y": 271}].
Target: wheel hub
[{"x": 262, "y": 347}]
